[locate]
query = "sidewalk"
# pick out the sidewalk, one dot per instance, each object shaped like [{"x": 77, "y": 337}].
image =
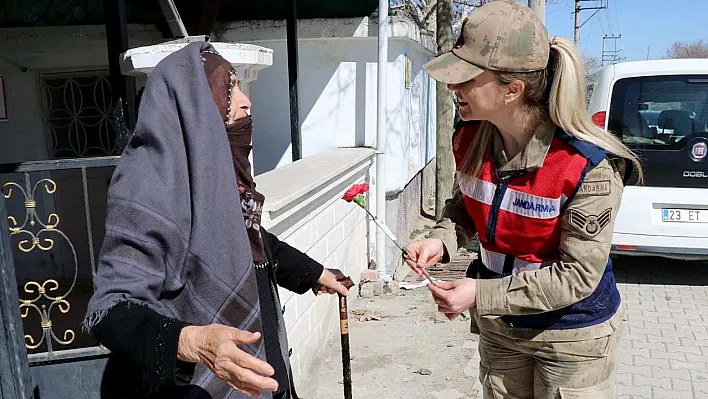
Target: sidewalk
[{"x": 408, "y": 351}]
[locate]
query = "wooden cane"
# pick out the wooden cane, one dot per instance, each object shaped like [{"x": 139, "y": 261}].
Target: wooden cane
[{"x": 344, "y": 331}]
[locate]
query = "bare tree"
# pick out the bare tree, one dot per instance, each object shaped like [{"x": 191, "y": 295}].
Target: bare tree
[
  {"x": 445, "y": 113},
  {"x": 423, "y": 12},
  {"x": 697, "y": 49},
  {"x": 591, "y": 63},
  {"x": 462, "y": 8}
]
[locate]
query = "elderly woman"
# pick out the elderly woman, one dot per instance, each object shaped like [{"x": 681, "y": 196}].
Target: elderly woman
[{"x": 186, "y": 296}]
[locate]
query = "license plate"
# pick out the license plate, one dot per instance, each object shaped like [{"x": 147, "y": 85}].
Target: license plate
[{"x": 684, "y": 215}]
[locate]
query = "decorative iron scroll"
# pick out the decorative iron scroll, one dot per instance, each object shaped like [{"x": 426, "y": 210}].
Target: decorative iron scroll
[{"x": 46, "y": 296}]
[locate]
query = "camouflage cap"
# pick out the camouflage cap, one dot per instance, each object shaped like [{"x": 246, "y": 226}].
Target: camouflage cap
[{"x": 502, "y": 35}]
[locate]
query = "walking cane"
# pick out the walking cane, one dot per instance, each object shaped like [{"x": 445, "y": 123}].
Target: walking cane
[{"x": 344, "y": 331}]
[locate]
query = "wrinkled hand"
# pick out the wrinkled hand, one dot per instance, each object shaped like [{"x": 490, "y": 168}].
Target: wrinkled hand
[
  {"x": 328, "y": 284},
  {"x": 215, "y": 346},
  {"x": 423, "y": 254},
  {"x": 455, "y": 297}
]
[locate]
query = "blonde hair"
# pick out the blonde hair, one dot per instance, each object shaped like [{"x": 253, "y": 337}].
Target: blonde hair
[{"x": 558, "y": 93}]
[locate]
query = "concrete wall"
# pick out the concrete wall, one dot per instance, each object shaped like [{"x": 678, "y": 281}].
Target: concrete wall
[
  {"x": 403, "y": 212},
  {"x": 304, "y": 208},
  {"x": 337, "y": 78}
]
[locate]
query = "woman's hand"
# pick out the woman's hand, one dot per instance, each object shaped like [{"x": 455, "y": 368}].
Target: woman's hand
[
  {"x": 424, "y": 253},
  {"x": 455, "y": 297},
  {"x": 215, "y": 346},
  {"x": 328, "y": 284}
]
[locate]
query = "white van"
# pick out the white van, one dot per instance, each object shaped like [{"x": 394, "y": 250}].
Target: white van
[{"x": 660, "y": 110}]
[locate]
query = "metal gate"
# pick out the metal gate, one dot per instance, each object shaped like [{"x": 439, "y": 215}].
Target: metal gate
[{"x": 52, "y": 215}]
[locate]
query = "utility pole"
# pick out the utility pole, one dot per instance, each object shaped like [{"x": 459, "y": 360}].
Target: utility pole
[
  {"x": 610, "y": 56},
  {"x": 603, "y": 4},
  {"x": 576, "y": 32},
  {"x": 539, "y": 9}
]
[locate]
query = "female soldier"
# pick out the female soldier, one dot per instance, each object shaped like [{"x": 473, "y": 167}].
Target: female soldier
[{"x": 541, "y": 186}]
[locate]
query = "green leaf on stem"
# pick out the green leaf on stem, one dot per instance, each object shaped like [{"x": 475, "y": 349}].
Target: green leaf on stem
[{"x": 360, "y": 200}]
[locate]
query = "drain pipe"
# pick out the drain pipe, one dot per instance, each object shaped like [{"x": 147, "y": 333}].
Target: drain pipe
[{"x": 382, "y": 64}]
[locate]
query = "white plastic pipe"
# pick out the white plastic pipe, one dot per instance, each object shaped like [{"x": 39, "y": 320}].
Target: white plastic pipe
[{"x": 382, "y": 64}]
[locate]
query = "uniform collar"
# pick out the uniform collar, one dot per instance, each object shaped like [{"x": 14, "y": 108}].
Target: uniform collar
[{"x": 532, "y": 156}]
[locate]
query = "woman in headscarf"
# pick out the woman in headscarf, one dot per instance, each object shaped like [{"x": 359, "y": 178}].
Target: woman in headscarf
[{"x": 183, "y": 239}]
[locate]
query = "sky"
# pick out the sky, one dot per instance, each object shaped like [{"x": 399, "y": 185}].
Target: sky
[{"x": 645, "y": 25}]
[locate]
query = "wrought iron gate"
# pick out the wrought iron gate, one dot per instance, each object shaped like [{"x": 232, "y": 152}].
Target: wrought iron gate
[{"x": 52, "y": 216}]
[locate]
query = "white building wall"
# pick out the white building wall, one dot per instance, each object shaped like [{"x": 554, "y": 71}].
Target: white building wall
[{"x": 337, "y": 82}]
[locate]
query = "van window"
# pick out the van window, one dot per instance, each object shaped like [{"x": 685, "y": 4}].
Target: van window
[{"x": 659, "y": 112}]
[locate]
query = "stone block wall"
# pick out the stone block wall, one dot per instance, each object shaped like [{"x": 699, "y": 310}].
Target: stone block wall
[{"x": 304, "y": 208}]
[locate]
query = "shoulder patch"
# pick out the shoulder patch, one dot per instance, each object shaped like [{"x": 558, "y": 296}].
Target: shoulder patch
[
  {"x": 592, "y": 225},
  {"x": 595, "y": 187}
]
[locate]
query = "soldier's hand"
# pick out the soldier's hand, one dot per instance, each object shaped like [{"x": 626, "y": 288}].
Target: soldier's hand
[
  {"x": 455, "y": 297},
  {"x": 424, "y": 253}
]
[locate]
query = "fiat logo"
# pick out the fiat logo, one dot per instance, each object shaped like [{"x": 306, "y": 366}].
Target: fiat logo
[{"x": 699, "y": 151}]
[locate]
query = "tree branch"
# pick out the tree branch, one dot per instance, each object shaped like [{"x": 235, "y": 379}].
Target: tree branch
[
  {"x": 431, "y": 8},
  {"x": 413, "y": 11}
]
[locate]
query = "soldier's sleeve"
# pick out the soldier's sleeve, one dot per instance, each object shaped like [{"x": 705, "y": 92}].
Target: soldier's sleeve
[
  {"x": 456, "y": 227},
  {"x": 586, "y": 238}
]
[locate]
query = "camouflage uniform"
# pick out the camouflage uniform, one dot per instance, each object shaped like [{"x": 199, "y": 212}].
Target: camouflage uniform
[
  {"x": 518, "y": 362},
  {"x": 577, "y": 361}
]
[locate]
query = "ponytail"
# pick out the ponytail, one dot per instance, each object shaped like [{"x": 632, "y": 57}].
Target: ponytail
[{"x": 567, "y": 102}]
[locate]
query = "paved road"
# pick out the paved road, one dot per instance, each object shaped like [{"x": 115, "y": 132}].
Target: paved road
[{"x": 665, "y": 343}]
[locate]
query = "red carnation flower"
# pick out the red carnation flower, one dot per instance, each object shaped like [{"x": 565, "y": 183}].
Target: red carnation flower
[
  {"x": 355, "y": 190},
  {"x": 356, "y": 194}
]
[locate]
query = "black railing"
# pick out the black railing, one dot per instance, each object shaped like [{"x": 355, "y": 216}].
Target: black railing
[{"x": 55, "y": 216}]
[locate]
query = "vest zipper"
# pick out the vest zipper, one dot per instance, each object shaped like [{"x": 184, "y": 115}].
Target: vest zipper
[{"x": 503, "y": 183}]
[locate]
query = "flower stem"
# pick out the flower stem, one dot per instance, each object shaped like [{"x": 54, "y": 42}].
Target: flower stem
[{"x": 390, "y": 235}]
